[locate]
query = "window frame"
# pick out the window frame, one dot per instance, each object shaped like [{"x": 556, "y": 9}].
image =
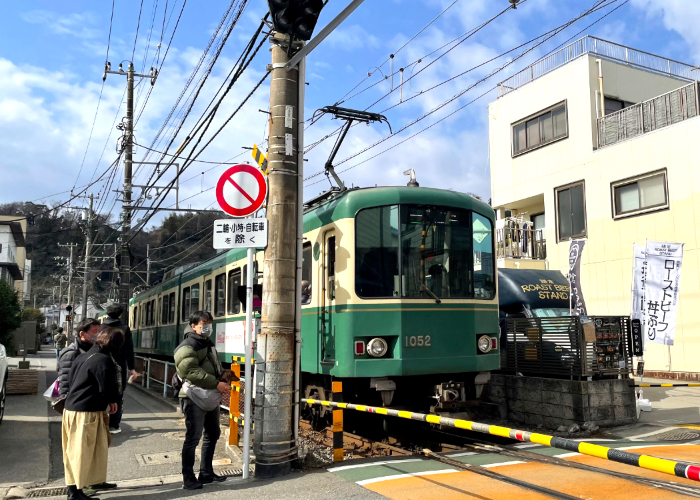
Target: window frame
[
  {"x": 186, "y": 304},
  {"x": 471, "y": 256},
  {"x": 215, "y": 295},
  {"x": 634, "y": 180},
  {"x": 557, "y": 189},
  {"x": 537, "y": 114}
]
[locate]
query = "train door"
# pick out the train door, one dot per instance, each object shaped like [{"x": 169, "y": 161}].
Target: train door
[{"x": 328, "y": 298}]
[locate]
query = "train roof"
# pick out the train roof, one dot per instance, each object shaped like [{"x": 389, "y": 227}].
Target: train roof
[{"x": 346, "y": 204}]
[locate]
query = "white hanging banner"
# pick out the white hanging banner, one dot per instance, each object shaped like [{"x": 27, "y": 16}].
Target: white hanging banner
[
  {"x": 639, "y": 271},
  {"x": 661, "y": 289}
]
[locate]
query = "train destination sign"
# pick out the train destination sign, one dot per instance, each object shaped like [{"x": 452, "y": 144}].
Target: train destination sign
[
  {"x": 237, "y": 233},
  {"x": 241, "y": 190}
]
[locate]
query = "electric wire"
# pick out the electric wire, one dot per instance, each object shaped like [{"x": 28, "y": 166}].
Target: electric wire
[{"x": 138, "y": 25}]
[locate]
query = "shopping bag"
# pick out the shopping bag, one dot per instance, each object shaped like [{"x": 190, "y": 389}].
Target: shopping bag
[{"x": 51, "y": 394}]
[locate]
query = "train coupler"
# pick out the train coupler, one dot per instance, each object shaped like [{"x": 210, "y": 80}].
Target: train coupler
[{"x": 450, "y": 396}]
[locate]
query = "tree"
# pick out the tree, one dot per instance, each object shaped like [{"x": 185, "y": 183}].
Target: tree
[{"x": 10, "y": 315}]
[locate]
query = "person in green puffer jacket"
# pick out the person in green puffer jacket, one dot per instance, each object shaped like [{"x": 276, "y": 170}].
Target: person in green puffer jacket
[{"x": 197, "y": 362}]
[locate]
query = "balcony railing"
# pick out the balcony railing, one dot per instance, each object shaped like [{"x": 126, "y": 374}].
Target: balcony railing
[
  {"x": 514, "y": 243},
  {"x": 647, "y": 116},
  {"x": 599, "y": 48}
]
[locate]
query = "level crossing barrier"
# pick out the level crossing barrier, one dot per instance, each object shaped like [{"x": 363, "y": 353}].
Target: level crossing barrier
[
  {"x": 666, "y": 385},
  {"x": 147, "y": 378},
  {"x": 674, "y": 468},
  {"x": 234, "y": 409}
]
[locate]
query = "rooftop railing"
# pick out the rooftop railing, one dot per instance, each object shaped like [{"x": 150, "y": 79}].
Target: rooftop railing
[
  {"x": 512, "y": 243},
  {"x": 644, "y": 117},
  {"x": 600, "y": 48}
]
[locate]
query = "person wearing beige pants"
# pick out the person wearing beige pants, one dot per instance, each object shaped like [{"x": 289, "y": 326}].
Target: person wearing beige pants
[{"x": 85, "y": 430}]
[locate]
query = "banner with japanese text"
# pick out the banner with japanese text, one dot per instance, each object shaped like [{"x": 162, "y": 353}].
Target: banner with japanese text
[
  {"x": 661, "y": 290},
  {"x": 578, "y": 305},
  {"x": 639, "y": 272}
]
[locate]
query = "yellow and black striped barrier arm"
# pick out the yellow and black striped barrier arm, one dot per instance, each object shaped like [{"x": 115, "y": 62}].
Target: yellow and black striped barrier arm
[
  {"x": 260, "y": 159},
  {"x": 338, "y": 453},
  {"x": 666, "y": 385},
  {"x": 241, "y": 360},
  {"x": 680, "y": 469}
]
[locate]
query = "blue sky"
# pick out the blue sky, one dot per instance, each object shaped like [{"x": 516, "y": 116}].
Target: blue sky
[{"x": 52, "y": 56}]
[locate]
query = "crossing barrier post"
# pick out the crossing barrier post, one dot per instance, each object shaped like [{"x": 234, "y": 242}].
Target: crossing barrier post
[
  {"x": 234, "y": 412},
  {"x": 338, "y": 452}
]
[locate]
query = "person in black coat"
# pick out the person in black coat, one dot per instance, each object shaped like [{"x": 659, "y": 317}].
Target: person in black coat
[
  {"x": 87, "y": 331},
  {"x": 94, "y": 392},
  {"x": 124, "y": 358}
]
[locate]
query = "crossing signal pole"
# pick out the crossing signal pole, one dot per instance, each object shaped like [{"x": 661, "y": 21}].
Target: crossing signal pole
[{"x": 128, "y": 145}]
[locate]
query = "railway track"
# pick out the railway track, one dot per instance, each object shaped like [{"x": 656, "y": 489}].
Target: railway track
[{"x": 433, "y": 446}]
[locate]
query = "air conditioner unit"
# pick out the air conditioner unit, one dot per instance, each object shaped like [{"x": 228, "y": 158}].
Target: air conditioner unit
[{"x": 509, "y": 213}]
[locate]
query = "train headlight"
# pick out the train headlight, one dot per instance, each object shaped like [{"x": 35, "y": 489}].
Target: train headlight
[
  {"x": 377, "y": 347},
  {"x": 484, "y": 343}
]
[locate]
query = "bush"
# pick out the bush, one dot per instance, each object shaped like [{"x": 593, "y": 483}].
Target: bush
[{"x": 10, "y": 315}]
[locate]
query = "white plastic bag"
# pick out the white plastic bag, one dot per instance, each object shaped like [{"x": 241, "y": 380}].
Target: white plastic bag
[{"x": 51, "y": 394}]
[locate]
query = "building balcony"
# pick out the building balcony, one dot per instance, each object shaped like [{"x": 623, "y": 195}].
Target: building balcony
[
  {"x": 521, "y": 248},
  {"x": 667, "y": 109}
]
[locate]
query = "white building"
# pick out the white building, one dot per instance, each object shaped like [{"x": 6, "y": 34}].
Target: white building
[
  {"x": 563, "y": 169},
  {"x": 12, "y": 242}
]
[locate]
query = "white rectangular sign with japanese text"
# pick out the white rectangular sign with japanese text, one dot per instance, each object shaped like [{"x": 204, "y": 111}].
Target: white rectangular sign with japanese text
[
  {"x": 240, "y": 233},
  {"x": 661, "y": 290}
]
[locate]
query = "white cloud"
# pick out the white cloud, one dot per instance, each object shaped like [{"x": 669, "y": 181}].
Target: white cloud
[
  {"x": 680, "y": 16},
  {"x": 72, "y": 24},
  {"x": 352, "y": 37}
]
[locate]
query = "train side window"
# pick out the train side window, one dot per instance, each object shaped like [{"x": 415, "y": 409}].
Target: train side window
[
  {"x": 186, "y": 304},
  {"x": 483, "y": 258},
  {"x": 171, "y": 315},
  {"x": 307, "y": 259},
  {"x": 159, "y": 310},
  {"x": 220, "y": 291},
  {"x": 164, "y": 310},
  {"x": 377, "y": 252},
  {"x": 136, "y": 317},
  {"x": 195, "y": 299},
  {"x": 234, "y": 281},
  {"x": 207, "y": 296}
]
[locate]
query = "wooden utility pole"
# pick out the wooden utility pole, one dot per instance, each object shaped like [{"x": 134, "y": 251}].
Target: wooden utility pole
[{"x": 274, "y": 436}]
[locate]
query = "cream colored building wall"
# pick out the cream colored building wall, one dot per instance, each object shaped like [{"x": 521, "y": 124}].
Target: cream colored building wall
[{"x": 607, "y": 258}]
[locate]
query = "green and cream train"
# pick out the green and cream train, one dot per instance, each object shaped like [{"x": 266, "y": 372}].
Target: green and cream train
[{"x": 399, "y": 302}]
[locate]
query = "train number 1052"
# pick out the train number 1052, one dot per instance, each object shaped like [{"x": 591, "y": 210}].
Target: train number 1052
[{"x": 417, "y": 341}]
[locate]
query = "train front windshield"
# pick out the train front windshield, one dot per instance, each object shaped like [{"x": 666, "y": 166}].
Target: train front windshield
[{"x": 419, "y": 251}]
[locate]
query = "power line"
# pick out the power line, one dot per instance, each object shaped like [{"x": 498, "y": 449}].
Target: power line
[
  {"x": 553, "y": 33},
  {"x": 138, "y": 25}
]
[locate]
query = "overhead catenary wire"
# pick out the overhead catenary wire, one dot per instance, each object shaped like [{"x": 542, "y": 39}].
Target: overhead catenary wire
[{"x": 551, "y": 34}]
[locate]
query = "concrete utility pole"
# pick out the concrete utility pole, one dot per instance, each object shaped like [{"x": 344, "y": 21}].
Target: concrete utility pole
[
  {"x": 128, "y": 142},
  {"x": 69, "y": 300},
  {"x": 274, "y": 437},
  {"x": 88, "y": 240}
]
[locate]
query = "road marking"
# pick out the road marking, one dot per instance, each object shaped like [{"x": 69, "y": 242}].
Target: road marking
[
  {"x": 370, "y": 464},
  {"x": 499, "y": 464},
  {"x": 404, "y": 476},
  {"x": 462, "y": 454},
  {"x": 638, "y": 436}
]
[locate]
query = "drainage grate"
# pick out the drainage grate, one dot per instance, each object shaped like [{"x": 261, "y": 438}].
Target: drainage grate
[
  {"x": 679, "y": 435},
  {"x": 234, "y": 472},
  {"x": 48, "y": 492}
]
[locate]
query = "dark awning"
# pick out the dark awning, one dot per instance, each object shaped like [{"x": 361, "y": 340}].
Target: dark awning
[
  {"x": 14, "y": 269},
  {"x": 536, "y": 289}
]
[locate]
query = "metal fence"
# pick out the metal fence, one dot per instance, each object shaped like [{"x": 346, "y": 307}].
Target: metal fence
[
  {"x": 647, "y": 116},
  {"x": 600, "y": 48},
  {"x": 514, "y": 243},
  {"x": 562, "y": 347},
  {"x": 155, "y": 370}
]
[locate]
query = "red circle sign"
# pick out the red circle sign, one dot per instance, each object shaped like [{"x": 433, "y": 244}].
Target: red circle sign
[{"x": 241, "y": 190}]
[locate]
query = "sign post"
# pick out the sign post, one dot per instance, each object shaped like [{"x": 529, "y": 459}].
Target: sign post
[{"x": 241, "y": 191}]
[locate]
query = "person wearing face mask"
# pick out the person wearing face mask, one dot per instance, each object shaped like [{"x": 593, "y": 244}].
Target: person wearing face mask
[
  {"x": 93, "y": 394},
  {"x": 197, "y": 362},
  {"x": 87, "y": 331}
]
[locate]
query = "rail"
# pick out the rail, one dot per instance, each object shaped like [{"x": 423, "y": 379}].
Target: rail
[
  {"x": 512, "y": 243},
  {"x": 566, "y": 347},
  {"x": 666, "y": 466},
  {"x": 667, "y": 109},
  {"x": 147, "y": 378},
  {"x": 600, "y": 48}
]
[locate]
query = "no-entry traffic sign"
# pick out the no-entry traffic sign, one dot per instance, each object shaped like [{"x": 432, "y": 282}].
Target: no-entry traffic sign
[{"x": 241, "y": 190}]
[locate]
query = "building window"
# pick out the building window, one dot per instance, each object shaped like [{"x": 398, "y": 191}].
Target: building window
[
  {"x": 571, "y": 211},
  {"x": 641, "y": 194},
  {"x": 545, "y": 127},
  {"x": 612, "y": 105}
]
